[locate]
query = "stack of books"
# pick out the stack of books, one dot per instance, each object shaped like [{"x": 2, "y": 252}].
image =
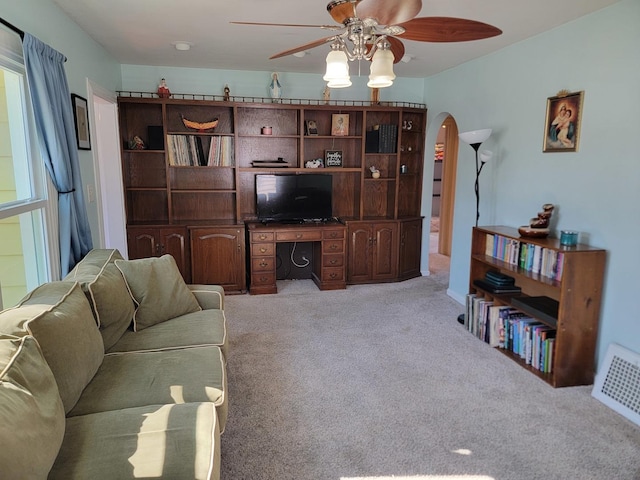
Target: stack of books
[
  {"x": 497, "y": 283},
  {"x": 382, "y": 139}
]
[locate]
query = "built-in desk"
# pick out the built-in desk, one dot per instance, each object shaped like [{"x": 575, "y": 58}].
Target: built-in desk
[{"x": 329, "y": 246}]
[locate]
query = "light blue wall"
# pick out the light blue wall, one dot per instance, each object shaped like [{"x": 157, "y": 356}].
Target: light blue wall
[
  {"x": 253, "y": 83},
  {"x": 85, "y": 59},
  {"x": 597, "y": 189}
]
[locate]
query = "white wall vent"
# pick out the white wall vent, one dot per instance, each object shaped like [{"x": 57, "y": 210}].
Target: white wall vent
[{"x": 617, "y": 383}]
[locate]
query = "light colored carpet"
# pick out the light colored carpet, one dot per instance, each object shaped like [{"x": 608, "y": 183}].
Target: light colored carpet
[{"x": 380, "y": 381}]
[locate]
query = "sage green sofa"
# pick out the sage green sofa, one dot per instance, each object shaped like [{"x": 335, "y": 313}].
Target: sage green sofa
[{"x": 115, "y": 372}]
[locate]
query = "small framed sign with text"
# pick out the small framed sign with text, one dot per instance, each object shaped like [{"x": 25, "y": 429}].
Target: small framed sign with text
[{"x": 332, "y": 158}]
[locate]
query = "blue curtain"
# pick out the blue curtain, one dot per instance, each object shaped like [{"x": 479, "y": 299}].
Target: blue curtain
[{"x": 57, "y": 139}]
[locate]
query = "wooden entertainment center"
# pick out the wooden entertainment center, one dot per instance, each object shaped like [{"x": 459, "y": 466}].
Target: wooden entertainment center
[{"x": 200, "y": 206}]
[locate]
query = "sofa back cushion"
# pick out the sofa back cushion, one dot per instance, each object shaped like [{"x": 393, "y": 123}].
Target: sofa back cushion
[
  {"x": 158, "y": 290},
  {"x": 106, "y": 291},
  {"x": 32, "y": 421},
  {"x": 58, "y": 315}
]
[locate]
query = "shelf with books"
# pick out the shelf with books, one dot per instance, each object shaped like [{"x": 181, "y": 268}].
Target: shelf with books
[{"x": 575, "y": 293}]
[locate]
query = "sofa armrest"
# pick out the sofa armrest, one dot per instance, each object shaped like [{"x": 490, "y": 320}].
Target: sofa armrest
[{"x": 208, "y": 296}]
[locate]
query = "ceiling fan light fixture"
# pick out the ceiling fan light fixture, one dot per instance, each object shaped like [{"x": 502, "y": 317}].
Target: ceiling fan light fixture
[
  {"x": 339, "y": 83},
  {"x": 337, "y": 74},
  {"x": 381, "y": 75}
]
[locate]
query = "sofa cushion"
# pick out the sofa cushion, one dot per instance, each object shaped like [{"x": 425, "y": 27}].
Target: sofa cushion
[
  {"x": 134, "y": 379},
  {"x": 158, "y": 290},
  {"x": 58, "y": 315},
  {"x": 208, "y": 296},
  {"x": 106, "y": 291},
  {"x": 158, "y": 441},
  {"x": 206, "y": 327},
  {"x": 31, "y": 413}
]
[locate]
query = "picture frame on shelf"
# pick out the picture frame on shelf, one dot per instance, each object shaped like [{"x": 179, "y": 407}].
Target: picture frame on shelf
[
  {"x": 333, "y": 158},
  {"x": 563, "y": 122},
  {"x": 81, "y": 121},
  {"x": 310, "y": 127},
  {"x": 340, "y": 124}
]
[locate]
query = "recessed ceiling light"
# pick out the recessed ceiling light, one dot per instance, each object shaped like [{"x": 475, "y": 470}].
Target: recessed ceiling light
[{"x": 183, "y": 46}]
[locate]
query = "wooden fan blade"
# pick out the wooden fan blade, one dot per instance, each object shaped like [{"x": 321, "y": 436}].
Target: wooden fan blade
[
  {"x": 342, "y": 10},
  {"x": 300, "y": 48},
  {"x": 447, "y": 29},
  {"x": 389, "y": 12},
  {"x": 329, "y": 27}
]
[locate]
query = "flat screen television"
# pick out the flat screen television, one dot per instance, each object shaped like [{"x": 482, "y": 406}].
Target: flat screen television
[{"x": 294, "y": 198}]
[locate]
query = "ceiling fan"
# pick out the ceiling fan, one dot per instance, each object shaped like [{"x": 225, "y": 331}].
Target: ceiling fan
[{"x": 372, "y": 26}]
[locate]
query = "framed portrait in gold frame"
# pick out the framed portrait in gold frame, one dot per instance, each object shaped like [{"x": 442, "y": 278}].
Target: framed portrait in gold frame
[{"x": 562, "y": 122}]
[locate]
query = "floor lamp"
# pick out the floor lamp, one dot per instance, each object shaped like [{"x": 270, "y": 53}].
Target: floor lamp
[{"x": 475, "y": 139}]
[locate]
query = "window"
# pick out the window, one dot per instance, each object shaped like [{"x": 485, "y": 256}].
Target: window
[{"x": 24, "y": 206}]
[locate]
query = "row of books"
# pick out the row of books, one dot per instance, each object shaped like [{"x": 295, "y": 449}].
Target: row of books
[
  {"x": 547, "y": 262},
  {"x": 506, "y": 327},
  {"x": 383, "y": 138},
  {"x": 188, "y": 150}
]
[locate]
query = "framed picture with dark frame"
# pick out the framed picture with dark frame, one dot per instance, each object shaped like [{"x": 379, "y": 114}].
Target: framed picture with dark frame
[
  {"x": 562, "y": 123},
  {"x": 332, "y": 158},
  {"x": 81, "y": 120}
]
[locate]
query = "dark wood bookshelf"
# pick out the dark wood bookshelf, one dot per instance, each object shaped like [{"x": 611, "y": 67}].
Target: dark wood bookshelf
[{"x": 158, "y": 194}]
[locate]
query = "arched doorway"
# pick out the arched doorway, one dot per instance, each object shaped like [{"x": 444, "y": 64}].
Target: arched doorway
[{"x": 445, "y": 165}]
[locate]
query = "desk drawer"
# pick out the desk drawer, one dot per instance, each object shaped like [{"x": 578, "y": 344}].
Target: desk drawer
[
  {"x": 304, "y": 236},
  {"x": 263, "y": 278},
  {"x": 262, "y": 236},
  {"x": 262, "y": 264},
  {"x": 333, "y": 246},
  {"x": 333, "y": 234},
  {"x": 332, "y": 274},
  {"x": 262, "y": 249},
  {"x": 333, "y": 260}
]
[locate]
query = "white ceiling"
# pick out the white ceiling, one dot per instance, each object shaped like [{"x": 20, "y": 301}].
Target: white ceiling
[{"x": 142, "y": 32}]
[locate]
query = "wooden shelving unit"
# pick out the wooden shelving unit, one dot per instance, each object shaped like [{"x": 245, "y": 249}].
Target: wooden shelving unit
[
  {"x": 158, "y": 193},
  {"x": 578, "y": 293}
]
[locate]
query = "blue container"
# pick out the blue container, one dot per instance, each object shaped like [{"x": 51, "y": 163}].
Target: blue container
[{"x": 568, "y": 238}]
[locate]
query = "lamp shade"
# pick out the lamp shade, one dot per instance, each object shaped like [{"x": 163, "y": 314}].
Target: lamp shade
[
  {"x": 485, "y": 155},
  {"x": 475, "y": 136},
  {"x": 337, "y": 73},
  {"x": 381, "y": 69}
]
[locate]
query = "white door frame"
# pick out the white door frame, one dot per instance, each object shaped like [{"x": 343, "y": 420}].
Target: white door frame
[{"x": 103, "y": 109}]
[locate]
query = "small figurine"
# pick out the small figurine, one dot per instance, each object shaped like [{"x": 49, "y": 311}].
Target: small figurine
[
  {"x": 316, "y": 163},
  {"x": 275, "y": 89},
  {"x": 375, "y": 173},
  {"x": 163, "y": 90},
  {"x": 227, "y": 93},
  {"x": 326, "y": 94},
  {"x": 136, "y": 143}
]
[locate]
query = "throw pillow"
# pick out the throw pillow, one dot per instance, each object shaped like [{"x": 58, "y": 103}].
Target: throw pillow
[
  {"x": 58, "y": 315},
  {"x": 158, "y": 290},
  {"x": 106, "y": 291},
  {"x": 32, "y": 421}
]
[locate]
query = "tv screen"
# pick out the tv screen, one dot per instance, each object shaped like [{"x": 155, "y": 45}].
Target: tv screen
[{"x": 294, "y": 198}]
